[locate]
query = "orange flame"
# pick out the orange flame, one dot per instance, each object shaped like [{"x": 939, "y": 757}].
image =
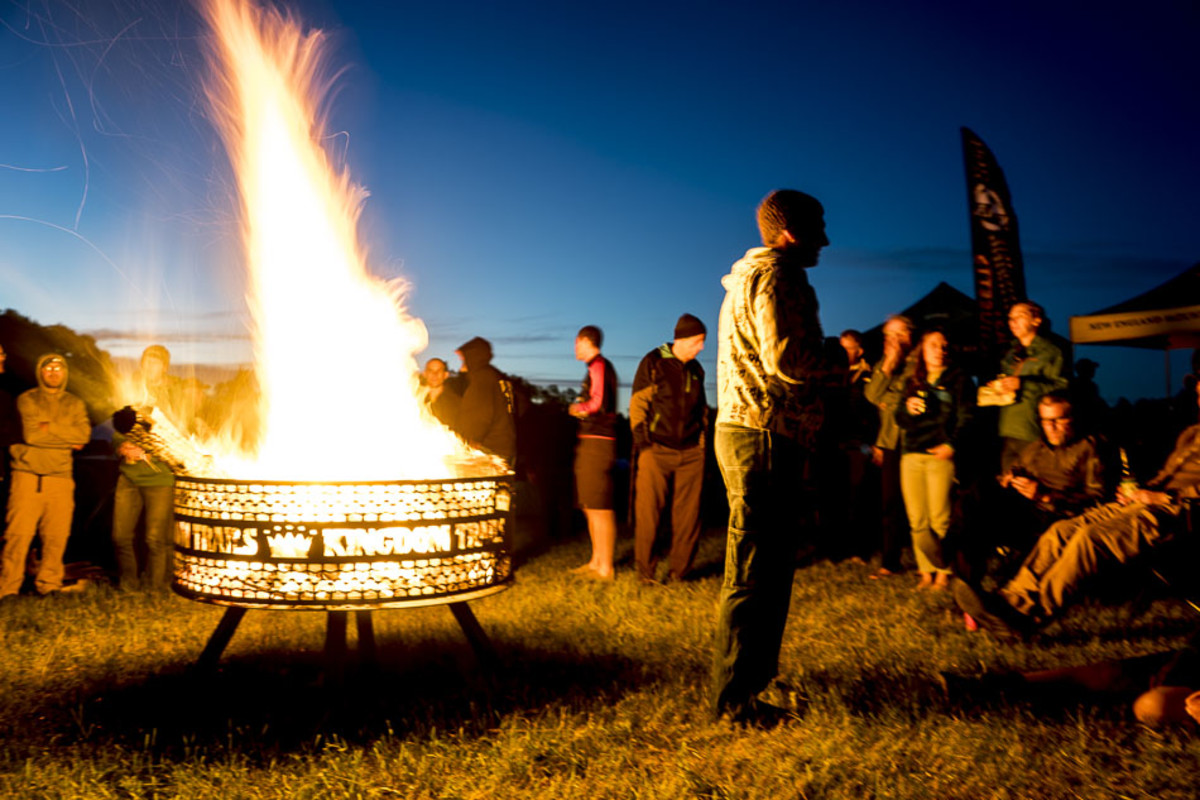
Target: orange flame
[{"x": 335, "y": 348}]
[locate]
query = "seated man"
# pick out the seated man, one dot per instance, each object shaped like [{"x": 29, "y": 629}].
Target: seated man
[
  {"x": 1056, "y": 477},
  {"x": 1074, "y": 550}
]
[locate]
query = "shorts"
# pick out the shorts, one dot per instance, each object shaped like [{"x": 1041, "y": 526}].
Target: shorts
[{"x": 594, "y": 460}]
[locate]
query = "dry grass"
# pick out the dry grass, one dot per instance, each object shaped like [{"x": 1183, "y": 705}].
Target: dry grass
[{"x": 602, "y": 695}]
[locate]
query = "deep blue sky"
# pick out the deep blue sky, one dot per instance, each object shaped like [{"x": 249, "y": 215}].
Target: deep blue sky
[{"x": 537, "y": 166}]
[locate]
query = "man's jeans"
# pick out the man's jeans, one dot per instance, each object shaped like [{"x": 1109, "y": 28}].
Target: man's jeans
[
  {"x": 159, "y": 504},
  {"x": 762, "y": 472}
]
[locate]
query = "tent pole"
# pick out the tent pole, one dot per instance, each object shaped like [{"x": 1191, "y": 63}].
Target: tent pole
[{"x": 1167, "y": 369}]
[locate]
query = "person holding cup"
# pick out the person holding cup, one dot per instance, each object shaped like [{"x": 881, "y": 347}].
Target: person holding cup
[{"x": 937, "y": 405}]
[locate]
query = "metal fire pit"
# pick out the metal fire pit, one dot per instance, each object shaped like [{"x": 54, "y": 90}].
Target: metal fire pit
[{"x": 342, "y": 547}]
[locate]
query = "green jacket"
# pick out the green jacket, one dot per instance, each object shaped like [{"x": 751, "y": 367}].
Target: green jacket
[
  {"x": 1040, "y": 370},
  {"x": 886, "y": 391}
]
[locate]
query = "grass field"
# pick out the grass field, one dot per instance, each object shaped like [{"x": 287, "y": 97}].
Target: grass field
[{"x": 601, "y": 695}]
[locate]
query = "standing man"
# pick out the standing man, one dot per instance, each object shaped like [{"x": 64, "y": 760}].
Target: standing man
[
  {"x": 769, "y": 354},
  {"x": 146, "y": 484},
  {"x": 485, "y": 414},
  {"x": 885, "y": 390},
  {"x": 54, "y": 423},
  {"x": 1032, "y": 367},
  {"x": 668, "y": 413},
  {"x": 596, "y": 452},
  {"x": 858, "y": 369}
]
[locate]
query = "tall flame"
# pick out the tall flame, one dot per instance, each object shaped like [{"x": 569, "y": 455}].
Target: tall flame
[{"x": 335, "y": 349}]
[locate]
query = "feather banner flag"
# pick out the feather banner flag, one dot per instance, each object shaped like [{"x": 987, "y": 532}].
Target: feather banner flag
[{"x": 995, "y": 244}]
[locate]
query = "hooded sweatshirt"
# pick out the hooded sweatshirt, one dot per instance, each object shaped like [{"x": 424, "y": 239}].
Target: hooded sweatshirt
[
  {"x": 54, "y": 423},
  {"x": 769, "y": 347},
  {"x": 484, "y": 416}
]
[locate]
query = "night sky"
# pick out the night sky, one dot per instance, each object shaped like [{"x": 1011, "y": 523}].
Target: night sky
[{"x": 534, "y": 167}]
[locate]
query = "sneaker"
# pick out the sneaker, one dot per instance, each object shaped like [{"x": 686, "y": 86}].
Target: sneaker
[{"x": 992, "y": 614}]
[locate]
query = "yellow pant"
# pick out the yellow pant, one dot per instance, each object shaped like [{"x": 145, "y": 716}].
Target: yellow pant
[{"x": 42, "y": 505}]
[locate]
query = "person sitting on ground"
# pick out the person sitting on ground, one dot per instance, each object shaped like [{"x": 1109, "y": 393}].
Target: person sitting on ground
[
  {"x": 1164, "y": 687},
  {"x": 1075, "y": 550}
]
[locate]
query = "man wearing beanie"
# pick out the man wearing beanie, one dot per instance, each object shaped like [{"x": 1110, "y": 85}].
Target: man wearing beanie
[
  {"x": 769, "y": 352},
  {"x": 54, "y": 423},
  {"x": 668, "y": 413}
]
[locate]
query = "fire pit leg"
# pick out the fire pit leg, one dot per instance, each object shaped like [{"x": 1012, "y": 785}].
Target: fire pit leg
[
  {"x": 479, "y": 640},
  {"x": 366, "y": 638},
  {"x": 220, "y": 638},
  {"x": 335, "y": 647}
]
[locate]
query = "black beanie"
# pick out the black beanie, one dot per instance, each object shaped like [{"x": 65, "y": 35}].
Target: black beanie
[{"x": 689, "y": 326}]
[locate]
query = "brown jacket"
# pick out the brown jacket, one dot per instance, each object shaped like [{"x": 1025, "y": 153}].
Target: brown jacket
[{"x": 55, "y": 423}]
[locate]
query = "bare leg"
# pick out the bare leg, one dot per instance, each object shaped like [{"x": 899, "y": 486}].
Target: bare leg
[
  {"x": 594, "y": 561},
  {"x": 1102, "y": 676},
  {"x": 602, "y": 528}
]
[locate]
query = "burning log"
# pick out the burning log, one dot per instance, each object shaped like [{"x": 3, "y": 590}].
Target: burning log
[{"x": 150, "y": 430}]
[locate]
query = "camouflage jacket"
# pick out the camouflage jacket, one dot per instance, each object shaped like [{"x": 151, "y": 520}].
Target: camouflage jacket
[{"x": 769, "y": 347}]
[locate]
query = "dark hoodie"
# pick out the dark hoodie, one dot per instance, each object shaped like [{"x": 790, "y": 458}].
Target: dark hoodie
[
  {"x": 484, "y": 417},
  {"x": 54, "y": 423}
]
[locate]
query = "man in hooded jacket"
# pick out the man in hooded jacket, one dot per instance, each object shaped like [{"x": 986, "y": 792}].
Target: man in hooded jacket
[
  {"x": 54, "y": 423},
  {"x": 770, "y": 350},
  {"x": 485, "y": 417}
]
